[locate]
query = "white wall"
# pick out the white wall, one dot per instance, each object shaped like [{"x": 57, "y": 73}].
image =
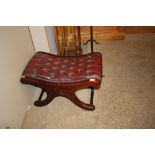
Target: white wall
[
  {"x": 51, "y": 39},
  {"x": 39, "y": 37},
  {"x": 16, "y": 49}
]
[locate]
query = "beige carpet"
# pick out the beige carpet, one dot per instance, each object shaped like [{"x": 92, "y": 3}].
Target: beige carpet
[{"x": 126, "y": 98}]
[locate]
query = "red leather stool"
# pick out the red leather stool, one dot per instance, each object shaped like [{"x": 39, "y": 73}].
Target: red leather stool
[{"x": 63, "y": 76}]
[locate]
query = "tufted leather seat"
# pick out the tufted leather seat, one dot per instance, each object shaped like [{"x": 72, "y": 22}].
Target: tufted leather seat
[
  {"x": 58, "y": 69},
  {"x": 62, "y": 76}
]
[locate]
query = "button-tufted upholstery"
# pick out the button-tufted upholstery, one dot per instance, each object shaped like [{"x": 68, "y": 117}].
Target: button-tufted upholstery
[{"x": 57, "y": 69}]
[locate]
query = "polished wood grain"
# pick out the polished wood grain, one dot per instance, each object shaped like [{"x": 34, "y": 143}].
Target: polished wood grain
[
  {"x": 101, "y": 33},
  {"x": 68, "y": 39},
  {"x": 140, "y": 29}
]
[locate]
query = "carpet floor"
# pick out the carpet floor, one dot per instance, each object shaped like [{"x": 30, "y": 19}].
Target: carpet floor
[{"x": 126, "y": 98}]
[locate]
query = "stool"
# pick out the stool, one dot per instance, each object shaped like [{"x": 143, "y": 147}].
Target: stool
[{"x": 63, "y": 76}]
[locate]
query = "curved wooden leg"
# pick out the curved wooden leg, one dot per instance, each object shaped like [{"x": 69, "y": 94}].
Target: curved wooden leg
[
  {"x": 50, "y": 96},
  {"x": 72, "y": 96}
]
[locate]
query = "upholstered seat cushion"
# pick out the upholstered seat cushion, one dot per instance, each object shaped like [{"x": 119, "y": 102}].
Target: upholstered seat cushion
[{"x": 58, "y": 69}]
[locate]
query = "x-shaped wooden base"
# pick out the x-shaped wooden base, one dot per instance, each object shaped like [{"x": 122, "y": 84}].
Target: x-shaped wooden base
[{"x": 70, "y": 94}]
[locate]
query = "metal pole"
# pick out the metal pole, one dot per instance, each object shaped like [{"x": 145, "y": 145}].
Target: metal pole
[{"x": 91, "y": 38}]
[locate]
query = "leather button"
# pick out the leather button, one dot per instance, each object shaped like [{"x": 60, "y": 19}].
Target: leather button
[
  {"x": 89, "y": 56},
  {"x": 89, "y": 72},
  {"x": 66, "y": 61},
  {"x": 54, "y": 68},
  {"x": 70, "y": 74},
  {"x": 71, "y": 68},
  {"x": 62, "y": 72},
  {"x": 34, "y": 71},
  {"x": 81, "y": 60},
  {"x": 73, "y": 63},
  {"x": 81, "y": 64},
  {"x": 37, "y": 64},
  {"x": 49, "y": 59},
  {"x": 47, "y": 64},
  {"x": 56, "y": 63},
  {"x": 45, "y": 69},
  {"x": 39, "y": 60},
  {"x": 89, "y": 60},
  {"x": 89, "y": 66},
  {"x": 64, "y": 66},
  {"x": 52, "y": 75}
]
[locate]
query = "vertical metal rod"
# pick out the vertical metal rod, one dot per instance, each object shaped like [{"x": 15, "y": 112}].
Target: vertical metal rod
[
  {"x": 92, "y": 50},
  {"x": 92, "y": 95},
  {"x": 75, "y": 40},
  {"x": 91, "y": 38},
  {"x": 63, "y": 40},
  {"x": 79, "y": 39},
  {"x": 55, "y": 28},
  {"x": 41, "y": 94}
]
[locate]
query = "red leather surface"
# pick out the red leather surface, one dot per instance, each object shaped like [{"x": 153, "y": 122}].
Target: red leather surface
[{"x": 51, "y": 68}]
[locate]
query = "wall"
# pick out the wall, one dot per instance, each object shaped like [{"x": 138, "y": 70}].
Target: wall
[
  {"x": 16, "y": 49},
  {"x": 39, "y": 37},
  {"x": 51, "y": 39}
]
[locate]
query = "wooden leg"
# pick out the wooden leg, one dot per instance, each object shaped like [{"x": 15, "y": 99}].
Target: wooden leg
[
  {"x": 50, "y": 96},
  {"x": 72, "y": 97},
  {"x": 81, "y": 104}
]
